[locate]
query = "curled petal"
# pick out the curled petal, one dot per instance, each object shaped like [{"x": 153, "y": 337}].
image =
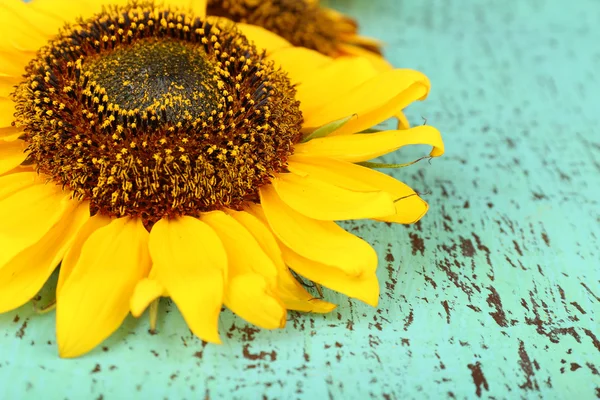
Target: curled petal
[
  {"x": 364, "y": 147},
  {"x": 408, "y": 206},
  {"x": 326, "y": 201},
  {"x": 374, "y": 101},
  {"x": 252, "y": 282},
  {"x": 364, "y": 287},
  {"x": 321, "y": 241},
  {"x": 291, "y": 293}
]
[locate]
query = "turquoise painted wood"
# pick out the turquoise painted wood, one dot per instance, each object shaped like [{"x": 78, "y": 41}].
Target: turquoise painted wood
[{"x": 495, "y": 294}]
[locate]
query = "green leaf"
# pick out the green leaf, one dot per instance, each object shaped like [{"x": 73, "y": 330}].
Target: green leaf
[
  {"x": 328, "y": 128},
  {"x": 372, "y": 165},
  {"x": 371, "y": 130}
]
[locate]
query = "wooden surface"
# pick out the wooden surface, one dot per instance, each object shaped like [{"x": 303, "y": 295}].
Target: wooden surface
[{"x": 495, "y": 294}]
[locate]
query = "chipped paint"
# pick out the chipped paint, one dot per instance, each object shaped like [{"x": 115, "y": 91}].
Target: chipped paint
[{"x": 494, "y": 294}]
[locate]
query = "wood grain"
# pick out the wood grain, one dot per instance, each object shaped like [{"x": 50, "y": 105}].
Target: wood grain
[{"x": 495, "y": 294}]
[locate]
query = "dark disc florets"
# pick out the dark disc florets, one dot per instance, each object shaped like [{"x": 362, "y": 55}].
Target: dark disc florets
[
  {"x": 302, "y": 22},
  {"x": 148, "y": 112}
]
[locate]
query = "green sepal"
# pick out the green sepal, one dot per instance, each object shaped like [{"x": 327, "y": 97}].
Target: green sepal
[
  {"x": 372, "y": 130},
  {"x": 372, "y": 165},
  {"x": 327, "y": 129}
]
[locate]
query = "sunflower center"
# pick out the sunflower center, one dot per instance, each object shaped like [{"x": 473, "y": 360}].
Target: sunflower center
[
  {"x": 303, "y": 23},
  {"x": 154, "y": 73},
  {"x": 148, "y": 112}
]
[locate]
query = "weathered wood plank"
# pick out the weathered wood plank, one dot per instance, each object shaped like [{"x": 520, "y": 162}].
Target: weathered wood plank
[{"x": 495, "y": 294}]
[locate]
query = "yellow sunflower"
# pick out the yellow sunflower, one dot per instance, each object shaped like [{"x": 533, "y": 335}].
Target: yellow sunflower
[
  {"x": 150, "y": 151},
  {"x": 303, "y": 23}
]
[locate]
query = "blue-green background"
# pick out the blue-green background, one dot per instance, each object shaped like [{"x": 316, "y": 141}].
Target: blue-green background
[{"x": 495, "y": 294}]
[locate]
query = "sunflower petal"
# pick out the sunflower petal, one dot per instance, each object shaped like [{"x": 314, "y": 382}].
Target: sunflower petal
[
  {"x": 243, "y": 252},
  {"x": 20, "y": 27},
  {"x": 7, "y": 84},
  {"x": 291, "y": 293},
  {"x": 190, "y": 262},
  {"x": 263, "y": 38},
  {"x": 364, "y": 147},
  {"x": 24, "y": 275},
  {"x": 12, "y": 154},
  {"x": 321, "y": 241},
  {"x": 198, "y": 7},
  {"x": 328, "y": 202},
  {"x": 91, "y": 225},
  {"x": 9, "y": 132},
  {"x": 331, "y": 82},
  {"x": 10, "y": 184},
  {"x": 374, "y": 101},
  {"x": 409, "y": 207},
  {"x": 376, "y": 60},
  {"x": 27, "y": 215},
  {"x": 364, "y": 287},
  {"x": 54, "y": 13},
  {"x": 299, "y": 63},
  {"x": 146, "y": 291},
  {"x": 94, "y": 300},
  {"x": 7, "y": 109},
  {"x": 250, "y": 297},
  {"x": 249, "y": 264}
]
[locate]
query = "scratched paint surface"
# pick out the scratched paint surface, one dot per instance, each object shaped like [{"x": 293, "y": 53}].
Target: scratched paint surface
[{"x": 494, "y": 294}]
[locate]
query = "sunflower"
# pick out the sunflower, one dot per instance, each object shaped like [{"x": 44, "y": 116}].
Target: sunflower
[
  {"x": 150, "y": 151},
  {"x": 303, "y": 23}
]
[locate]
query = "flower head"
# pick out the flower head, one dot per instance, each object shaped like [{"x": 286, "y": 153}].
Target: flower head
[
  {"x": 150, "y": 151},
  {"x": 303, "y": 23}
]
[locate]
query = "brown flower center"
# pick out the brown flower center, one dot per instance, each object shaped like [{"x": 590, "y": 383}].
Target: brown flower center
[
  {"x": 301, "y": 22},
  {"x": 148, "y": 112}
]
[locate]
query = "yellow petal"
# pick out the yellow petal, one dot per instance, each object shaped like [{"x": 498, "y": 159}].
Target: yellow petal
[
  {"x": 326, "y": 201},
  {"x": 291, "y": 293},
  {"x": 190, "y": 262},
  {"x": 198, "y": 7},
  {"x": 91, "y": 225},
  {"x": 409, "y": 207},
  {"x": 321, "y": 241},
  {"x": 332, "y": 82},
  {"x": 9, "y": 132},
  {"x": 364, "y": 287},
  {"x": 22, "y": 27},
  {"x": 94, "y": 300},
  {"x": 299, "y": 63},
  {"x": 7, "y": 84},
  {"x": 55, "y": 13},
  {"x": 250, "y": 297},
  {"x": 248, "y": 263},
  {"x": 146, "y": 291},
  {"x": 31, "y": 17},
  {"x": 243, "y": 252},
  {"x": 10, "y": 184},
  {"x": 27, "y": 215},
  {"x": 366, "y": 146},
  {"x": 369, "y": 48},
  {"x": 24, "y": 275},
  {"x": 12, "y": 154},
  {"x": 374, "y": 101},
  {"x": 262, "y": 38},
  {"x": 7, "y": 109}
]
